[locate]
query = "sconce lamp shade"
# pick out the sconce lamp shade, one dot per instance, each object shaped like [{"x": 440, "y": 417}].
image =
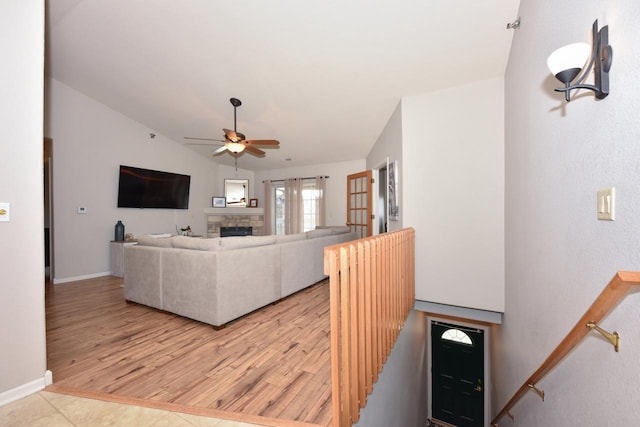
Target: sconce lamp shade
[
  {"x": 234, "y": 147},
  {"x": 568, "y": 61},
  {"x": 565, "y": 63}
]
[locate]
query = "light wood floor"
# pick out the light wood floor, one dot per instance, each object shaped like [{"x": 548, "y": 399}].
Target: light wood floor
[{"x": 273, "y": 363}]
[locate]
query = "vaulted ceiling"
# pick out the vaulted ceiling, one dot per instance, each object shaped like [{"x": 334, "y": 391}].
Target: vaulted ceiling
[{"x": 322, "y": 77}]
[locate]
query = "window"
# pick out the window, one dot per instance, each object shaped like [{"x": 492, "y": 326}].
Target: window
[
  {"x": 456, "y": 335},
  {"x": 309, "y": 196}
]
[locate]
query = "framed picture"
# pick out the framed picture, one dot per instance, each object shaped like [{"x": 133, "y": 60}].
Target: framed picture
[
  {"x": 253, "y": 203},
  {"x": 392, "y": 170},
  {"x": 219, "y": 202}
]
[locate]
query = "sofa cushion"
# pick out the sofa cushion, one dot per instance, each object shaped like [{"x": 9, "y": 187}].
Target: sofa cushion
[
  {"x": 160, "y": 242},
  {"x": 285, "y": 238},
  {"x": 186, "y": 242},
  {"x": 239, "y": 242},
  {"x": 319, "y": 232}
]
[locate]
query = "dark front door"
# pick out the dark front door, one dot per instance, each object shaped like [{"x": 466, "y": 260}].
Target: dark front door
[{"x": 457, "y": 361}]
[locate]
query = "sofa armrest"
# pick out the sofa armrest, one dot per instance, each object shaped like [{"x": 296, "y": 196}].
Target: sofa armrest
[
  {"x": 143, "y": 274},
  {"x": 189, "y": 285},
  {"x": 297, "y": 265},
  {"x": 247, "y": 279}
]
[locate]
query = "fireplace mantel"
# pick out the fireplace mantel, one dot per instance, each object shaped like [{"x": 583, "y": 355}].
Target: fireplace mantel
[{"x": 234, "y": 211}]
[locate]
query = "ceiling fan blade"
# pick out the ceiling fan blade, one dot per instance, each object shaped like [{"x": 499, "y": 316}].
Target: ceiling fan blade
[
  {"x": 202, "y": 139},
  {"x": 232, "y": 135},
  {"x": 220, "y": 150},
  {"x": 255, "y": 151},
  {"x": 263, "y": 142}
]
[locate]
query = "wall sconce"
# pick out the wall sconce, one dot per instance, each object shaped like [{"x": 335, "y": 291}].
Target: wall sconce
[{"x": 567, "y": 62}]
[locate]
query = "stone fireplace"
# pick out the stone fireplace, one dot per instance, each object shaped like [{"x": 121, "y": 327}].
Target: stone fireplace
[{"x": 234, "y": 217}]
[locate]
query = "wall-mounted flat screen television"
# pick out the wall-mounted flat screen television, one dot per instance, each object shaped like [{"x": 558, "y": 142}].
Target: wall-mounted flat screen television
[{"x": 145, "y": 188}]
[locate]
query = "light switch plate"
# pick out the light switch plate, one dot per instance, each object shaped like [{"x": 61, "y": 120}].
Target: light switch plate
[
  {"x": 5, "y": 211},
  {"x": 607, "y": 204}
]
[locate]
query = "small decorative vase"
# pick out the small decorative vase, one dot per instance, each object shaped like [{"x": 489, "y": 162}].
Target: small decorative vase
[{"x": 119, "y": 231}]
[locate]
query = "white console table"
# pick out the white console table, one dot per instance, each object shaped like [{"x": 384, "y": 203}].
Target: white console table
[{"x": 116, "y": 251}]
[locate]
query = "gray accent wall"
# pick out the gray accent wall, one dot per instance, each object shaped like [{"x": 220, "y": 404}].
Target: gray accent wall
[
  {"x": 558, "y": 255},
  {"x": 399, "y": 397}
]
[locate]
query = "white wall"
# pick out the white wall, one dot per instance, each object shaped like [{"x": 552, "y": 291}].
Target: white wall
[
  {"x": 22, "y": 324},
  {"x": 90, "y": 142},
  {"x": 558, "y": 255},
  {"x": 453, "y": 190},
  {"x": 336, "y": 185},
  {"x": 389, "y": 146}
]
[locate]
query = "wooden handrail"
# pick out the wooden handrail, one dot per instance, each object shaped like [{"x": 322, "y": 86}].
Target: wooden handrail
[
  {"x": 372, "y": 291},
  {"x": 608, "y": 298}
]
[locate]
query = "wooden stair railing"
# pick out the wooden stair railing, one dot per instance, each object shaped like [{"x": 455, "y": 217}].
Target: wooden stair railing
[
  {"x": 617, "y": 289},
  {"x": 372, "y": 286}
]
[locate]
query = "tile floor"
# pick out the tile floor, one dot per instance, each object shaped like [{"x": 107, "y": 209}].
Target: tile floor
[{"x": 60, "y": 410}]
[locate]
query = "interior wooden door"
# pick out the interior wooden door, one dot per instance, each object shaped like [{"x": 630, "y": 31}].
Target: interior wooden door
[{"x": 359, "y": 216}]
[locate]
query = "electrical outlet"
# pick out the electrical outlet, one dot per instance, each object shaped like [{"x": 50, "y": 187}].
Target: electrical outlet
[{"x": 82, "y": 210}]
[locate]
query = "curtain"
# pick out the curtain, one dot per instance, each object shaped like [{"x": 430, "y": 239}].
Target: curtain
[
  {"x": 293, "y": 206},
  {"x": 320, "y": 204},
  {"x": 268, "y": 208}
]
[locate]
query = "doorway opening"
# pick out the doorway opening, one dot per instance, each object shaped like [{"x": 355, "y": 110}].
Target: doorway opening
[
  {"x": 458, "y": 360},
  {"x": 48, "y": 208}
]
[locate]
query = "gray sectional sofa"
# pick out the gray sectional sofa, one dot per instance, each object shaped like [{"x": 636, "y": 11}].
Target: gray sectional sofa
[{"x": 218, "y": 280}]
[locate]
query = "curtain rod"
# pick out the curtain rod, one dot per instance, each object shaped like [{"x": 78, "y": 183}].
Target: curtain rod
[{"x": 308, "y": 177}]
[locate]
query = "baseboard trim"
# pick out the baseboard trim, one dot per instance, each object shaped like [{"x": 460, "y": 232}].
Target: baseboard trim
[
  {"x": 56, "y": 281},
  {"x": 25, "y": 390}
]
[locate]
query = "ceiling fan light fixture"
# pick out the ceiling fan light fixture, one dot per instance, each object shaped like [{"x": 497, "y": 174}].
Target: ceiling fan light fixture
[{"x": 234, "y": 147}]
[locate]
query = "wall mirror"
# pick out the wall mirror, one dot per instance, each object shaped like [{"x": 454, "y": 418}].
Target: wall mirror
[{"x": 237, "y": 192}]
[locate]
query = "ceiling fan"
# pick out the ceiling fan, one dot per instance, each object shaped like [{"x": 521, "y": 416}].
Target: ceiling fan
[{"x": 235, "y": 142}]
